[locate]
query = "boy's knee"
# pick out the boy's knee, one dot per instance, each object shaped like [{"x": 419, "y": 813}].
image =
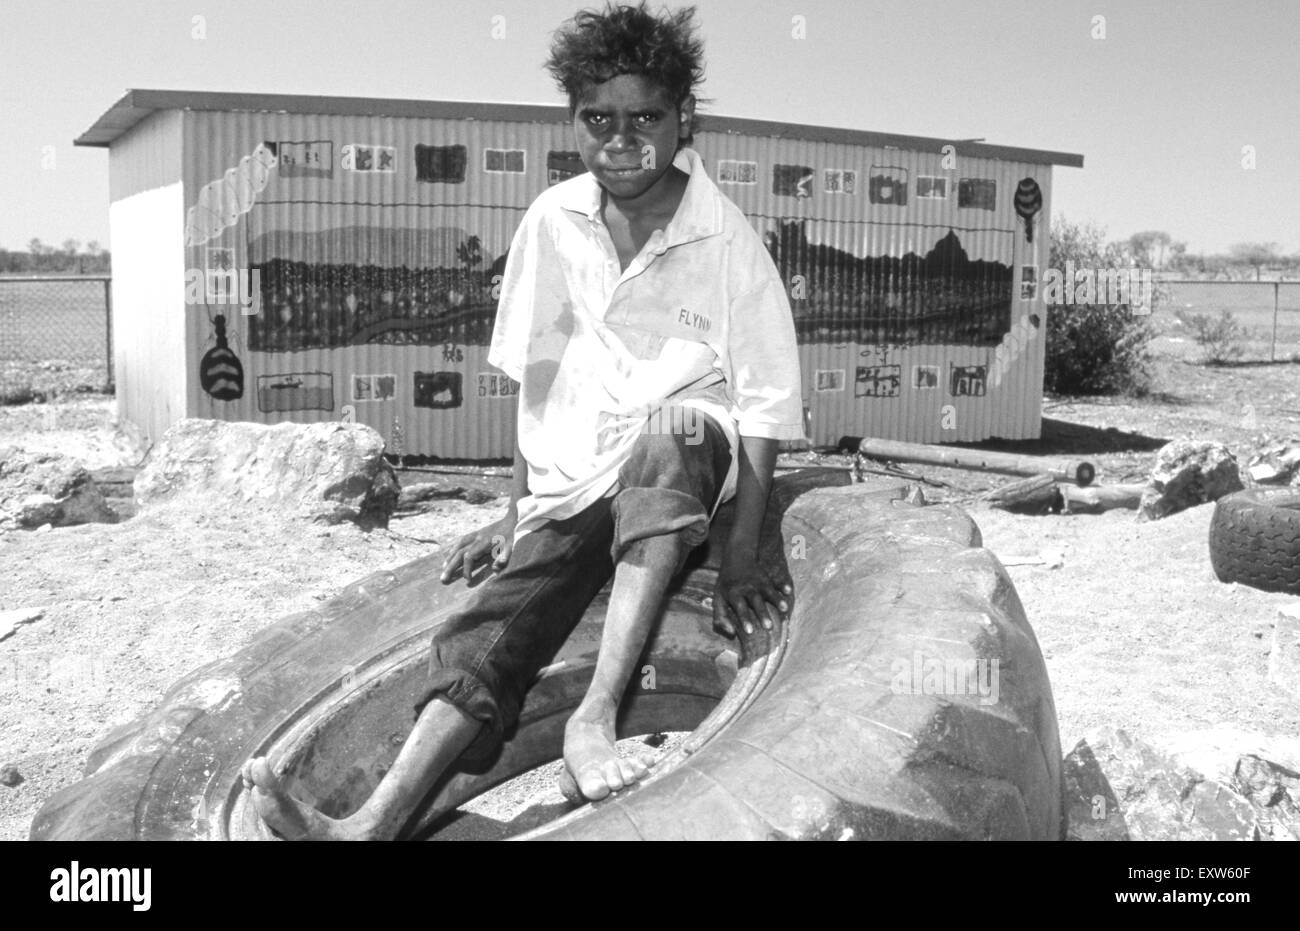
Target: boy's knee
[
  {"x": 660, "y": 458},
  {"x": 454, "y": 651},
  {"x": 646, "y": 550},
  {"x": 667, "y": 551},
  {"x": 645, "y": 512},
  {"x": 654, "y": 455}
]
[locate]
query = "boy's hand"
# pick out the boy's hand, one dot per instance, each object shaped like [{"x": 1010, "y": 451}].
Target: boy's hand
[
  {"x": 746, "y": 595},
  {"x": 495, "y": 541}
]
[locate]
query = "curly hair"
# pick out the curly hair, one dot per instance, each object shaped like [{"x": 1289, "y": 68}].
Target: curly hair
[{"x": 595, "y": 46}]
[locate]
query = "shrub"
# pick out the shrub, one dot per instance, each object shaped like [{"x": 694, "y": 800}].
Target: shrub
[
  {"x": 16, "y": 394},
  {"x": 1218, "y": 338},
  {"x": 1095, "y": 348}
]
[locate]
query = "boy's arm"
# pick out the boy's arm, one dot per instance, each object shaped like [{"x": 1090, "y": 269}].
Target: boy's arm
[
  {"x": 745, "y": 592},
  {"x": 496, "y": 539},
  {"x": 527, "y": 302},
  {"x": 753, "y": 485},
  {"x": 519, "y": 483},
  {"x": 763, "y": 375}
]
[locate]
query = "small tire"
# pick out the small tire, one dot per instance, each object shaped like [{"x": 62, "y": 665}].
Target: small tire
[{"x": 1255, "y": 539}]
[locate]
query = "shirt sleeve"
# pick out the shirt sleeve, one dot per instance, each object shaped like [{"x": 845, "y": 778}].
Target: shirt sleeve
[
  {"x": 763, "y": 364},
  {"x": 526, "y": 281}
]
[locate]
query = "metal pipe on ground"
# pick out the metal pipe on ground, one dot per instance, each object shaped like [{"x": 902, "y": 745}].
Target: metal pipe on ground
[{"x": 1080, "y": 472}]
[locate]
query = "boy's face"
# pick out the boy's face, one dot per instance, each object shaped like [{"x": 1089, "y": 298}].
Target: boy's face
[{"x": 627, "y": 131}]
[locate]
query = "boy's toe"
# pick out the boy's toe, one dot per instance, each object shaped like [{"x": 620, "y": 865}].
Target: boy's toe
[
  {"x": 569, "y": 788},
  {"x": 593, "y": 784},
  {"x": 628, "y": 772},
  {"x": 613, "y": 775}
]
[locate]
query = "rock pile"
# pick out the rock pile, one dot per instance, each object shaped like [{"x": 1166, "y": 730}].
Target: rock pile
[
  {"x": 38, "y": 488},
  {"x": 1188, "y": 473},
  {"x": 1220, "y": 784},
  {"x": 322, "y": 472}
]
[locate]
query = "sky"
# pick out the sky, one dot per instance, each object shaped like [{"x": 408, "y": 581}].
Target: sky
[{"x": 1161, "y": 98}]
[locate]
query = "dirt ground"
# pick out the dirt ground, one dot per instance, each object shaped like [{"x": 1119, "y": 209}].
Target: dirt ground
[{"x": 1136, "y": 630}]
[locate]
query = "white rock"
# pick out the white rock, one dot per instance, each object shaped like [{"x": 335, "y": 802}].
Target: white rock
[
  {"x": 9, "y": 620},
  {"x": 1214, "y": 751},
  {"x": 1284, "y": 652},
  {"x": 48, "y": 488},
  {"x": 327, "y": 472},
  {"x": 1188, "y": 473}
]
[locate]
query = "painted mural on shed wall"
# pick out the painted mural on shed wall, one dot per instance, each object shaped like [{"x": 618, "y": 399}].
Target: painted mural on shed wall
[{"x": 407, "y": 272}]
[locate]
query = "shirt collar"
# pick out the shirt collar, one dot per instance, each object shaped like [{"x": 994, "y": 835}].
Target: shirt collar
[{"x": 699, "y": 214}]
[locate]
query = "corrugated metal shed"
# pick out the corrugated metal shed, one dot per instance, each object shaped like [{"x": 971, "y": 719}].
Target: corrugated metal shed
[{"x": 376, "y": 228}]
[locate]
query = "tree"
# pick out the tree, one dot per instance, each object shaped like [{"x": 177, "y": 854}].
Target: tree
[
  {"x": 1095, "y": 348},
  {"x": 1149, "y": 248},
  {"x": 1177, "y": 254},
  {"x": 1256, "y": 254},
  {"x": 1212, "y": 264}
]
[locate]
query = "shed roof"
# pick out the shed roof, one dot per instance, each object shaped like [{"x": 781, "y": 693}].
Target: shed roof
[{"x": 137, "y": 103}]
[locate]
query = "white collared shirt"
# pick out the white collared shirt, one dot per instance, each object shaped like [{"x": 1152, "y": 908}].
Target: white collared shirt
[{"x": 699, "y": 319}]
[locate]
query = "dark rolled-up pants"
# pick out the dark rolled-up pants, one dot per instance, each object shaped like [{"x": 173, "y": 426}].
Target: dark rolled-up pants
[{"x": 487, "y": 654}]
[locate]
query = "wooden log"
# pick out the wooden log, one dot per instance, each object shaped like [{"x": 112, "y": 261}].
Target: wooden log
[
  {"x": 1037, "y": 493},
  {"x": 420, "y": 496},
  {"x": 1102, "y": 497},
  {"x": 1080, "y": 472}
]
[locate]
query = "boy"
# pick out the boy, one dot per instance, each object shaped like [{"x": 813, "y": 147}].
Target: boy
[{"x": 655, "y": 351}]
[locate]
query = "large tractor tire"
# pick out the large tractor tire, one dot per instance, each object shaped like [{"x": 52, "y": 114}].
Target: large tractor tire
[
  {"x": 839, "y": 724},
  {"x": 1255, "y": 539}
]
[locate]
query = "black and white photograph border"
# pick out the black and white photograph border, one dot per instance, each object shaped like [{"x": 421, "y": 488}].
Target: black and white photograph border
[{"x": 645, "y": 283}]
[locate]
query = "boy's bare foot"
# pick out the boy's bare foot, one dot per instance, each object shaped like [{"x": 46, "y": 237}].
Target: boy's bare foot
[
  {"x": 288, "y": 817},
  {"x": 592, "y": 764}
]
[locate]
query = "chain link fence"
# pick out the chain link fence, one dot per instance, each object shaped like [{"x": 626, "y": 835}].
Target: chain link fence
[
  {"x": 1266, "y": 315},
  {"x": 55, "y": 336}
]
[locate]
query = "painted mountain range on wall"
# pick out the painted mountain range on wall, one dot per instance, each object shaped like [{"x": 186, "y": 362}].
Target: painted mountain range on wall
[{"x": 939, "y": 297}]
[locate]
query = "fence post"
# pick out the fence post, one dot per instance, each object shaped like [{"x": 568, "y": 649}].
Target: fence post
[
  {"x": 110, "y": 387},
  {"x": 1272, "y": 351}
]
